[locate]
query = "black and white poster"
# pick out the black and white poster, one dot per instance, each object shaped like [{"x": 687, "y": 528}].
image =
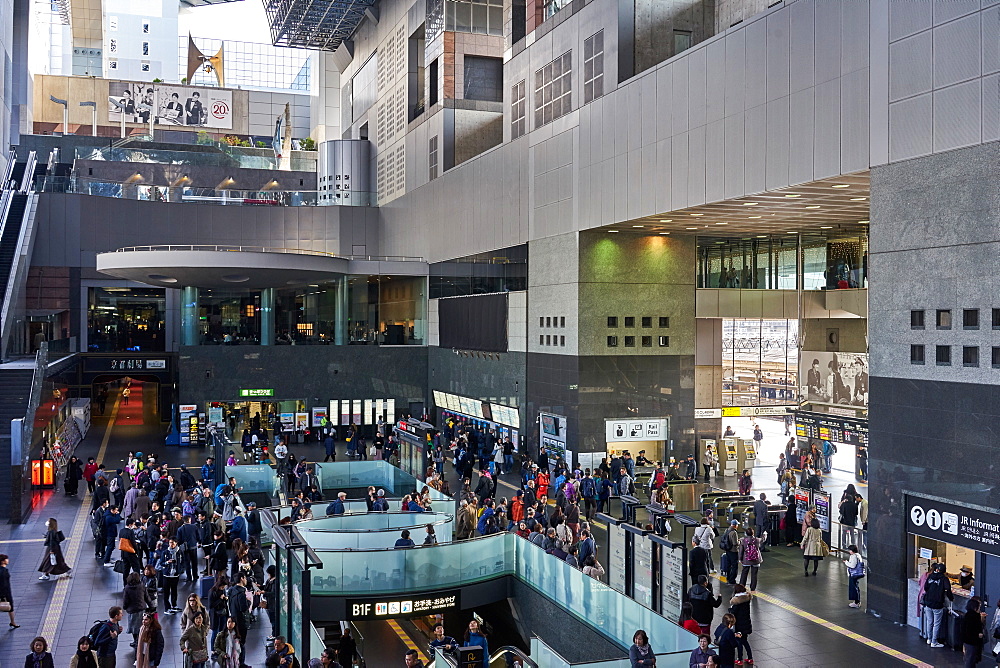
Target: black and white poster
[
  {"x": 950, "y": 523},
  {"x": 185, "y": 106},
  {"x": 834, "y": 378}
]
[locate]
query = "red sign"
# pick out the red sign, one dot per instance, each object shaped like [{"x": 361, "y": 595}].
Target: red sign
[{"x": 220, "y": 109}]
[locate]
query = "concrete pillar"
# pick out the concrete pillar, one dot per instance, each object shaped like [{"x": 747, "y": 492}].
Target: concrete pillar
[
  {"x": 267, "y": 317},
  {"x": 340, "y": 313},
  {"x": 189, "y": 316}
]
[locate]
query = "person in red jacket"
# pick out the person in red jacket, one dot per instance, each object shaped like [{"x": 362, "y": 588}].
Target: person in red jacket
[
  {"x": 88, "y": 473},
  {"x": 517, "y": 507}
]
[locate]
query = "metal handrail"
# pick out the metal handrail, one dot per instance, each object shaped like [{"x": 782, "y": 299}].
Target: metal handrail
[
  {"x": 18, "y": 270},
  {"x": 29, "y": 173},
  {"x": 8, "y": 170},
  {"x": 265, "y": 249}
]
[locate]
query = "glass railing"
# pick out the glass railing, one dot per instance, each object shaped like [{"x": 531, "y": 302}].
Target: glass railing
[
  {"x": 371, "y": 531},
  {"x": 214, "y": 154},
  {"x": 376, "y": 473},
  {"x": 254, "y": 478}
]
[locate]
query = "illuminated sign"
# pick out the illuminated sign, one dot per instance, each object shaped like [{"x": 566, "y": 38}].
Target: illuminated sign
[
  {"x": 409, "y": 606},
  {"x": 260, "y": 392}
]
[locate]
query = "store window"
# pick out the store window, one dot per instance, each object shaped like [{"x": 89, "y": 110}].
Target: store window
[
  {"x": 759, "y": 362},
  {"x": 916, "y": 319},
  {"x": 593, "y": 67},
  {"x": 517, "y": 111},
  {"x": 553, "y": 88},
  {"x": 942, "y": 355},
  {"x": 970, "y": 356},
  {"x": 916, "y": 353},
  {"x": 125, "y": 319}
]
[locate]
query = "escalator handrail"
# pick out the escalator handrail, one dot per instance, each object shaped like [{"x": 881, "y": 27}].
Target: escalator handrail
[
  {"x": 8, "y": 171},
  {"x": 517, "y": 651},
  {"x": 29, "y": 173}
]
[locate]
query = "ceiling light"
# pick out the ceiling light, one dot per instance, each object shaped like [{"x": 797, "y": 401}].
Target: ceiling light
[
  {"x": 638, "y": 226},
  {"x": 697, "y": 214},
  {"x": 667, "y": 220},
  {"x": 842, "y": 185},
  {"x": 826, "y": 227},
  {"x": 792, "y": 195},
  {"x": 792, "y": 232},
  {"x": 664, "y": 232},
  {"x": 613, "y": 231},
  {"x": 762, "y": 236},
  {"x": 863, "y": 222},
  {"x": 753, "y": 216},
  {"x": 691, "y": 228},
  {"x": 813, "y": 206},
  {"x": 749, "y": 203},
  {"x": 722, "y": 223},
  {"x": 858, "y": 199}
]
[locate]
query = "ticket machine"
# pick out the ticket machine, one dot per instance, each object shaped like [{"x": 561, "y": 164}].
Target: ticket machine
[
  {"x": 746, "y": 454},
  {"x": 728, "y": 457}
]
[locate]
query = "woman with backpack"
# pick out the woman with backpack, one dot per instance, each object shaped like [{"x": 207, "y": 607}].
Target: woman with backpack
[
  {"x": 750, "y": 558},
  {"x": 705, "y": 535},
  {"x": 855, "y": 571}
]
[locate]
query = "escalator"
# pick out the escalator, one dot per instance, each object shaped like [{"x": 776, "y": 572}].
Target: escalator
[{"x": 10, "y": 234}]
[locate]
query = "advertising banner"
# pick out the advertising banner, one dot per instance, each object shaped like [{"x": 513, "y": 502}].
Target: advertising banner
[
  {"x": 171, "y": 105},
  {"x": 318, "y": 414},
  {"x": 834, "y": 378},
  {"x": 958, "y": 525}
]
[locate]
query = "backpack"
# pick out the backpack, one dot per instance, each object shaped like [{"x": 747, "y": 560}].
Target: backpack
[
  {"x": 95, "y": 630},
  {"x": 114, "y": 485},
  {"x": 857, "y": 571},
  {"x": 658, "y": 479},
  {"x": 588, "y": 489},
  {"x": 751, "y": 554},
  {"x": 725, "y": 543},
  {"x": 569, "y": 489}
]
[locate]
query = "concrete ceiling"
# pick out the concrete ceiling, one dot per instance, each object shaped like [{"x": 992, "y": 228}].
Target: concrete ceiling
[{"x": 825, "y": 207}]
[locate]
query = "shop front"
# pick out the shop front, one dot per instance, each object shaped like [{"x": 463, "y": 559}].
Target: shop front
[
  {"x": 492, "y": 418},
  {"x": 966, "y": 539},
  {"x": 637, "y": 435}
]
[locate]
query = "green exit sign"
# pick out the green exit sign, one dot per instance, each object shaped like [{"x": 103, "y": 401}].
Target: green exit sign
[{"x": 261, "y": 392}]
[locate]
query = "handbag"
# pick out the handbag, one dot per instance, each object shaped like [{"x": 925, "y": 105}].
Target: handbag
[
  {"x": 5, "y": 606},
  {"x": 199, "y": 655},
  {"x": 125, "y": 545},
  {"x": 824, "y": 549},
  {"x": 120, "y": 567},
  {"x": 52, "y": 558}
]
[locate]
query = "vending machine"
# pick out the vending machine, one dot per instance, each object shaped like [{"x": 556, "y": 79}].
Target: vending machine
[
  {"x": 746, "y": 454},
  {"x": 728, "y": 456}
]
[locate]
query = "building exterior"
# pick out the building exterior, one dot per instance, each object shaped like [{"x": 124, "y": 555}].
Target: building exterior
[{"x": 661, "y": 210}]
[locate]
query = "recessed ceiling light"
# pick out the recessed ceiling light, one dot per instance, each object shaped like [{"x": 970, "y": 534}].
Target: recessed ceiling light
[
  {"x": 664, "y": 232},
  {"x": 667, "y": 220},
  {"x": 722, "y": 223},
  {"x": 613, "y": 231},
  {"x": 720, "y": 242},
  {"x": 762, "y": 236},
  {"x": 697, "y": 214},
  {"x": 858, "y": 199},
  {"x": 749, "y": 203},
  {"x": 638, "y": 226},
  {"x": 826, "y": 227},
  {"x": 863, "y": 222},
  {"x": 792, "y": 195},
  {"x": 691, "y": 228},
  {"x": 842, "y": 185},
  {"x": 792, "y": 232},
  {"x": 813, "y": 206}
]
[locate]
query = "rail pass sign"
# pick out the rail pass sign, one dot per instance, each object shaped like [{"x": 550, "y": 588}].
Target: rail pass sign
[
  {"x": 966, "y": 527},
  {"x": 410, "y": 606}
]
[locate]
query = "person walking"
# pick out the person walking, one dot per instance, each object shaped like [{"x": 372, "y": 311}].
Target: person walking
[
  {"x": 39, "y": 656},
  {"x": 730, "y": 544},
  {"x": 347, "y": 648},
  {"x": 937, "y": 588},
  {"x": 739, "y": 607},
  {"x": 194, "y": 643},
  {"x": 84, "y": 657},
  {"x": 812, "y": 547},
  {"x": 750, "y": 558},
  {"x": 106, "y": 640},
  {"x": 973, "y": 632},
  {"x": 228, "y": 646},
  {"x": 640, "y": 653},
  {"x": 74, "y": 474},
  {"x": 53, "y": 562},
  {"x": 855, "y": 571},
  {"x": 698, "y": 561},
  {"x": 135, "y": 602},
  {"x": 745, "y": 482},
  {"x": 6, "y": 595},
  {"x": 150, "y": 643},
  {"x": 705, "y": 535},
  {"x": 193, "y": 607}
]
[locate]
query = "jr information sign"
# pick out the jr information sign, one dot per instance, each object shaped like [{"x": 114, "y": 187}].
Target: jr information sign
[{"x": 966, "y": 527}]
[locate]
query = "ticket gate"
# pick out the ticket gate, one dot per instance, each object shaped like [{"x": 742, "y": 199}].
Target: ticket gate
[
  {"x": 728, "y": 457},
  {"x": 709, "y": 498},
  {"x": 746, "y": 454}
]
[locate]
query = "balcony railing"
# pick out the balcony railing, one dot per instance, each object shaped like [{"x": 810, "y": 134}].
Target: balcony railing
[{"x": 227, "y": 248}]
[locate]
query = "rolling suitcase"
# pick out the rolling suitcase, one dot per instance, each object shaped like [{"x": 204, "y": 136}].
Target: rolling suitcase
[{"x": 205, "y": 585}]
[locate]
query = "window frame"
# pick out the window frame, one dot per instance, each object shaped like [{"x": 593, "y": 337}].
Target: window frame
[
  {"x": 918, "y": 353},
  {"x": 945, "y": 359}
]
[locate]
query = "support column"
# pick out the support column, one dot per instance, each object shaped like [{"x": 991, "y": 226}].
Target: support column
[
  {"x": 267, "y": 317},
  {"x": 340, "y": 313},
  {"x": 189, "y": 316}
]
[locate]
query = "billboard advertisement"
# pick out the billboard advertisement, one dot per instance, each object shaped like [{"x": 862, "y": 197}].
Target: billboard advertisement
[
  {"x": 834, "y": 378},
  {"x": 172, "y": 105}
]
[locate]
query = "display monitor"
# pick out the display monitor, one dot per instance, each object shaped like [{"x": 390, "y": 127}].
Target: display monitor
[{"x": 550, "y": 425}]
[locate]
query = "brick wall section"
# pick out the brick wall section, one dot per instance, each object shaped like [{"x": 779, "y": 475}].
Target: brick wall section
[{"x": 48, "y": 288}]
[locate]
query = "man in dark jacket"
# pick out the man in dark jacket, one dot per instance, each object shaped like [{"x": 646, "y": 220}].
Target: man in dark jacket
[
  {"x": 186, "y": 479},
  {"x": 239, "y": 608},
  {"x": 106, "y": 642},
  {"x": 697, "y": 561},
  {"x": 703, "y": 603},
  {"x": 937, "y": 588},
  {"x": 203, "y": 528},
  {"x": 254, "y": 525},
  {"x": 282, "y": 656},
  {"x": 760, "y": 518},
  {"x": 112, "y": 518},
  {"x": 131, "y": 559},
  {"x": 187, "y": 538},
  {"x": 337, "y": 506},
  {"x": 220, "y": 555}
]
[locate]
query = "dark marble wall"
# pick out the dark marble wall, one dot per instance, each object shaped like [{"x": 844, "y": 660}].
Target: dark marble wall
[
  {"x": 928, "y": 437},
  {"x": 479, "y": 377},
  {"x": 313, "y": 373}
]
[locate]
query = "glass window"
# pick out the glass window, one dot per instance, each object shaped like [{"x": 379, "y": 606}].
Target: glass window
[
  {"x": 432, "y": 158},
  {"x": 123, "y": 319},
  {"x": 647, "y": 342},
  {"x": 970, "y": 318},
  {"x": 630, "y": 321},
  {"x": 647, "y": 321},
  {"x": 562, "y": 321},
  {"x": 943, "y": 355},
  {"x": 541, "y": 339},
  {"x": 517, "y": 110},
  {"x": 612, "y": 321},
  {"x": 916, "y": 354},
  {"x": 996, "y": 357},
  {"x": 548, "y": 322},
  {"x": 970, "y": 356},
  {"x": 664, "y": 321},
  {"x": 562, "y": 340},
  {"x": 996, "y": 318},
  {"x": 664, "y": 341},
  {"x": 483, "y": 78},
  {"x": 553, "y": 90},
  {"x": 612, "y": 342},
  {"x": 682, "y": 41},
  {"x": 541, "y": 321},
  {"x": 593, "y": 67},
  {"x": 943, "y": 319},
  {"x": 759, "y": 362},
  {"x": 916, "y": 319},
  {"x": 630, "y": 342}
]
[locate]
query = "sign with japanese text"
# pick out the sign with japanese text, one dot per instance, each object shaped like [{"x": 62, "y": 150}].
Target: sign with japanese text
[
  {"x": 403, "y": 606},
  {"x": 950, "y": 523}
]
